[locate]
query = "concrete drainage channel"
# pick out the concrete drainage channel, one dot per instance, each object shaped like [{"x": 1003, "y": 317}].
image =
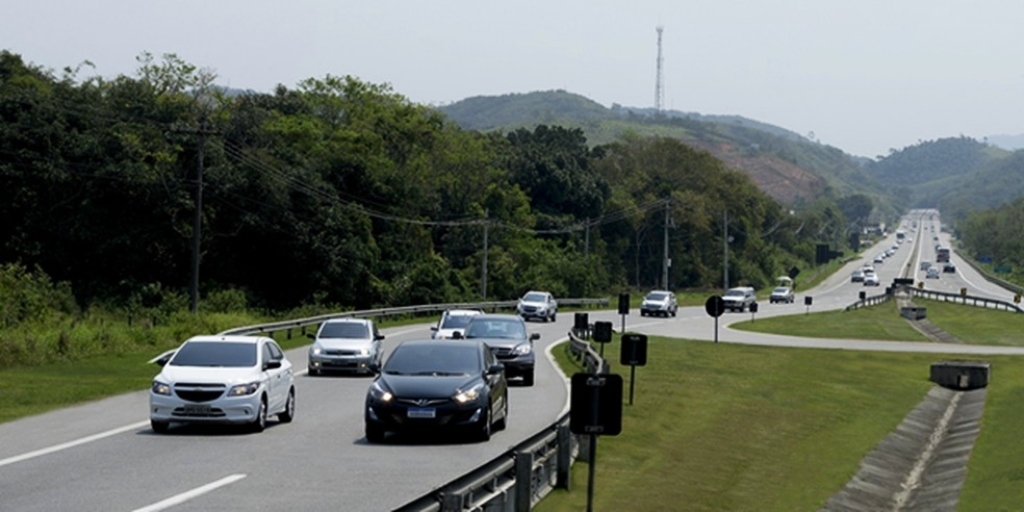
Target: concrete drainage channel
[{"x": 922, "y": 465}]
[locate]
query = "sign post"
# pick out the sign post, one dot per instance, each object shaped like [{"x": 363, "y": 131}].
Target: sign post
[
  {"x": 633, "y": 352},
  {"x": 715, "y": 306},
  {"x": 595, "y": 408},
  {"x": 623, "y": 308}
]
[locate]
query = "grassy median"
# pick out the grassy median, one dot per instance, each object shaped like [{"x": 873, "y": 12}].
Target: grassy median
[{"x": 731, "y": 427}]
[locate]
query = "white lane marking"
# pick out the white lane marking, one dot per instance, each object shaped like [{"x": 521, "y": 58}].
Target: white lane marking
[
  {"x": 194, "y": 493},
  {"x": 72, "y": 444}
]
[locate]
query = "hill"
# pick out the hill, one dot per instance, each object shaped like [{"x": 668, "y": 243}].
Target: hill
[{"x": 784, "y": 164}]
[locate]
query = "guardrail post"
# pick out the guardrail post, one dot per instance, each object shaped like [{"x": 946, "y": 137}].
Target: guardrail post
[
  {"x": 289, "y": 334},
  {"x": 451, "y": 502},
  {"x": 524, "y": 481},
  {"x": 563, "y": 468}
]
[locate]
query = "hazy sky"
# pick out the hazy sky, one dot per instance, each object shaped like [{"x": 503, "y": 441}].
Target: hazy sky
[{"x": 864, "y": 76}]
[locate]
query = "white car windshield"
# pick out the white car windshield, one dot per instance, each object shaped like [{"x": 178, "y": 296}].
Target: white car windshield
[
  {"x": 455, "y": 321},
  {"x": 351, "y": 330},
  {"x": 535, "y": 297},
  {"x": 734, "y": 293},
  {"x": 656, "y": 297},
  {"x": 782, "y": 290},
  {"x": 215, "y": 353}
]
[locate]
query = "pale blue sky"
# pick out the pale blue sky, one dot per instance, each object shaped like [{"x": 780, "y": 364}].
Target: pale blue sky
[{"x": 864, "y": 76}]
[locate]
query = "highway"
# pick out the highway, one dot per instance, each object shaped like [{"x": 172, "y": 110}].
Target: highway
[{"x": 102, "y": 456}]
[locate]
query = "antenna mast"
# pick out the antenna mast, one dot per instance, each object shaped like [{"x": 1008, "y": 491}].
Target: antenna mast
[{"x": 659, "y": 87}]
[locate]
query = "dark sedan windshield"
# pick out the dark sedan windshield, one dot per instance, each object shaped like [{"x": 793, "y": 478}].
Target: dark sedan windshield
[
  {"x": 215, "y": 353},
  {"x": 439, "y": 358},
  {"x": 496, "y": 328}
]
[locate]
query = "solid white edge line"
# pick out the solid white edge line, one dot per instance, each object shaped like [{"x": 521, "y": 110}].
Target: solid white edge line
[
  {"x": 71, "y": 444},
  {"x": 194, "y": 493},
  {"x": 565, "y": 379}
]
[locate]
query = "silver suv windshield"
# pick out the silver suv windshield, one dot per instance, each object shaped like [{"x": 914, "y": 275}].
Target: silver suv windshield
[{"x": 535, "y": 297}]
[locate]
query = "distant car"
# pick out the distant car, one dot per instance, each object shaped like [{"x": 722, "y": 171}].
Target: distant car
[
  {"x": 925, "y": 265},
  {"x": 659, "y": 303},
  {"x": 453, "y": 323},
  {"x": 949, "y": 268},
  {"x": 223, "y": 379},
  {"x": 932, "y": 273},
  {"x": 879, "y": 259},
  {"x": 857, "y": 276},
  {"x": 739, "y": 298},
  {"x": 871, "y": 279},
  {"x": 782, "y": 294},
  {"x": 507, "y": 337},
  {"x": 541, "y": 305},
  {"x": 426, "y": 385},
  {"x": 345, "y": 345},
  {"x": 868, "y": 268}
]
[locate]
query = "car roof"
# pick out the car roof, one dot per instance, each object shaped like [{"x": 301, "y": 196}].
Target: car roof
[
  {"x": 456, "y": 312},
  {"x": 234, "y": 338},
  {"x": 498, "y": 316},
  {"x": 347, "y": 320}
]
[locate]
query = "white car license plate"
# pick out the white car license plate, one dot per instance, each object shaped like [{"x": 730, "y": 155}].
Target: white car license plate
[
  {"x": 197, "y": 409},
  {"x": 421, "y": 413}
]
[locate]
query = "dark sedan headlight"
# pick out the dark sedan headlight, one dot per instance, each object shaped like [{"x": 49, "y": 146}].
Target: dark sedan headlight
[
  {"x": 244, "y": 389},
  {"x": 469, "y": 395},
  {"x": 160, "y": 388},
  {"x": 522, "y": 349},
  {"x": 380, "y": 393}
]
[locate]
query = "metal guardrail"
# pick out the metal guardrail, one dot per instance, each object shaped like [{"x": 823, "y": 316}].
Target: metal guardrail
[
  {"x": 1015, "y": 288},
  {"x": 405, "y": 310},
  {"x": 873, "y": 300},
  {"x": 968, "y": 300},
  {"x": 522, "y": 476}
]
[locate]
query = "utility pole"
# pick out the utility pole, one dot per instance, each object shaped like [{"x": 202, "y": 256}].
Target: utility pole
[
  {"x": 665, "y": 263},
  {"x": 483, "y": 270},
  {"x": 586, "y": 240},
  {"x": 197, "y": 219},
  {"x": 659, "y": 86},
  {"x": 725, "y": 245}
]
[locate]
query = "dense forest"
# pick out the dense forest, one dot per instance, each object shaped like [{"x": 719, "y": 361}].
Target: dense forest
[{"x": 343, "y": 192}]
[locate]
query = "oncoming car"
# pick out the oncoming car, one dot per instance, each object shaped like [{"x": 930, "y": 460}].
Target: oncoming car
[
  {"x": 659, "y": 302},
  {"x": 871, "y": 279},
  {"x": 223, "y": 379},
  {"x": 453, "y": 323},
  {"x": 345, "y": 344},
  {"x": 507, "y": 337},
  {"x": 783, "y": 294},
  {"x": 541, "y": 305},
  {"x": 426, "y": 385}
]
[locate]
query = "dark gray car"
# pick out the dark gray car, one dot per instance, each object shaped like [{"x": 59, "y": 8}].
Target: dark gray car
[{"x": 507, "y": 337}]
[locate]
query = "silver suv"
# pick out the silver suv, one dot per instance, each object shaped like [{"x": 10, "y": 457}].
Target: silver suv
[
  {"x": 739, "y": 298},
  {"x": 540, "y": 305}
]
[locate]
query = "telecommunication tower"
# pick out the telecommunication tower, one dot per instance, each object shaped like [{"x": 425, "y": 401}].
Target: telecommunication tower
[{"x": 659, "y": 86}]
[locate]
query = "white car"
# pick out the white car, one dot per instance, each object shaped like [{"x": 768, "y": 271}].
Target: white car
[
  {"x": 223, "y": 379},
  {"x": 782, "y": 294},
  {"x": 453, "y": 323},
  {"x": 540, "y": 305},
  {"x": 659, "y": 303},
  {"x": 346, "y": 345},
  {"x": 871, "y": 279}
]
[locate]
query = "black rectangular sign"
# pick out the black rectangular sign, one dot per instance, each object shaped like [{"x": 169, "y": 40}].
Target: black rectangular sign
[
  {"x": 603, "y": 332},
  {"x": 596, "y": 404},
  {"x": 634, "y": 350}
]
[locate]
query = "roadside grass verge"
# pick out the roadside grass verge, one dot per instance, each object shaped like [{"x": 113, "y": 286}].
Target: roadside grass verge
[
  {"x": 974, "y": 325},
  {"x": 881, "y": 322},
  {"x": 731, "y": 427}
]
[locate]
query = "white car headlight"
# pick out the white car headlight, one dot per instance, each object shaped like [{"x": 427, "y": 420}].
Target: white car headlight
[
  {"x": 469, "y": 395},
  {"x": 364, "y": 351},
  {"x": 160, "y": 388},
  {"x": 316, "y": 349},
  {"x": 244, "y": 389}
]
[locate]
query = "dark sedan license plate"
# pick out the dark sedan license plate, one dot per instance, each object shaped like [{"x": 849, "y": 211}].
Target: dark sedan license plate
[
  {"x": 422, "y": 413},
  {"x": 197, "y": 409}
]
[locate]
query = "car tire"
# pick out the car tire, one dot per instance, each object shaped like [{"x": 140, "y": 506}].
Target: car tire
[
  {"x": 554, "y": 316},
  {"x": 484, "y": 434},
  {"x": 528, "y": 377},
  {"x": 674, "y": 311},
  {"x": 313, "y": 372},
  {"x": 260, "y": 423},
  {"x": 643, "y": 313},
  {"x": 502, "y": 424},
  {"x": 374, "y": 434},
  {"x": 288, "y": 414},
  {"x": 159, "y": 426}
]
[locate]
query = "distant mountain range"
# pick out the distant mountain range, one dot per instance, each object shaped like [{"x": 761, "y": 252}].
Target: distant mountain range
[{"x": 958, "y": 174}]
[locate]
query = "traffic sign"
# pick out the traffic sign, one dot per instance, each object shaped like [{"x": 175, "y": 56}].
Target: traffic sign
[{"x": 715, "y": 306}]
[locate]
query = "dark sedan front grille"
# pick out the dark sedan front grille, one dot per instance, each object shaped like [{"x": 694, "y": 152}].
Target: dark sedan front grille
[
  {"x": 422, "y": 402},
  {"x": 199, "y": 392}
]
